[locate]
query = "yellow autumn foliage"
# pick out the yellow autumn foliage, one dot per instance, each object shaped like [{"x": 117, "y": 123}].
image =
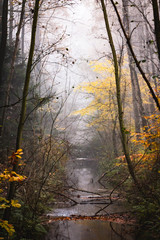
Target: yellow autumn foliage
[
  {"x": 15, "y": 203},
  {"x": 8, "y": 227},
  {"x": 10, "y": 176},
  {"x": 103, "y": 106},
  {"x": 148, "y": 143}
]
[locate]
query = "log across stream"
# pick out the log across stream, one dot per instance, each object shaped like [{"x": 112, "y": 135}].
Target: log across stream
[{"x": 96, "y": 215}]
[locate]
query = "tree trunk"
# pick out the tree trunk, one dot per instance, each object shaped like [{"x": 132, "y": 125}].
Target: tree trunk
[
  {"x": 11, "y": 192},
  {"x": 155, "y": 98},
  {"x": 22, "y": 43},
  {"x": 114, "y": 138},
  {"x": 150, "y": 69},
  {"x": 3, "y": 44},
  {"x": 11, "y": 22},
  {"x": 0, "y": 18},
  {"x": 6, "y": 101},
  {"x": 139, "y": 112},
  {"x": 134, "y": 98},
  {"x": 3, "y": 37},
  {"x": 156, "y": 24},
  {"x": 118, "y": 93}
]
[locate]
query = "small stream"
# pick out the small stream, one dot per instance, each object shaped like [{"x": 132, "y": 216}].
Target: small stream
[{"x": 83, "y": 175}]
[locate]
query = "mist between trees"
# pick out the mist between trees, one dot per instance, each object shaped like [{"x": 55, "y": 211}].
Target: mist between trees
[{"x": 62, "y": 98}]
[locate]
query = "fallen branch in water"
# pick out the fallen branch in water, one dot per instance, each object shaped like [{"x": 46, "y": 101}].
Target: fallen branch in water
[
  {"x": 65, "y": 196},
  {"x": 122, "y": 218}
]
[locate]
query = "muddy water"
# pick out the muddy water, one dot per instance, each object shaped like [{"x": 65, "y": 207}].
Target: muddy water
[
  {"x": 83, "y": 176},
  {"x": 89, "y": 230}
]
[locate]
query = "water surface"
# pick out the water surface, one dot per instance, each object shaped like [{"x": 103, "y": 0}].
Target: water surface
[{"x": 83, "y": 176}]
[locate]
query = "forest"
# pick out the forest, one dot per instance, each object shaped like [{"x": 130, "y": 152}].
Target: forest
[{"x": 78, "y": 80}]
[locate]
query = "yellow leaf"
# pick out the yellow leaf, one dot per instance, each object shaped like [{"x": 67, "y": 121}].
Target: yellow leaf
[{"x": 15, "y": 204}]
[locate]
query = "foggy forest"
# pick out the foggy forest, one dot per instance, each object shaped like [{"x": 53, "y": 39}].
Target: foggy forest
[{"x": 79, "y": 119}]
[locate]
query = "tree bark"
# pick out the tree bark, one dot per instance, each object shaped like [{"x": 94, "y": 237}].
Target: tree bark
[
  {"x": 3, "y": 44},
  {"x": 11, "y": 22},
  {"x": 3, "y": 38},
  {"x": 0, "y": 18},
  {"x": 114, "y": 138},
  {"x": 156, "y": 24}
]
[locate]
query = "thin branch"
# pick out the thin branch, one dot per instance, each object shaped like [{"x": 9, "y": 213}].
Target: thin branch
[{"x": 135, "y": 58}]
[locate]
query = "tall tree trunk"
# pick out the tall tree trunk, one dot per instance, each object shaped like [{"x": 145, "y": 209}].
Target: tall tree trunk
[
  {"x": 155, "y": 98},
  {"x": 149, "y": 68},
  {"x": 11, "y": 192},
  {"x": 0, "y": 18},
  {"x": 156, "y": 24},
  {"x": 137, "y": 121},
  {"x": 139, "y": 111},
  {"x": 114, "y": 138},
  {"x": 11, "y": 22},
  {"x": 3, "y": 44},
  {"x": 119, "y": 101},
  {"x": 6, "y": 102},
  {"x": 22, "y": 43},
  {"x": 27, "y": 78}
]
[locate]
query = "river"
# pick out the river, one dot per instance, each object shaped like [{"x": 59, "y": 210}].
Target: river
[{"x": 92, "y": 200}]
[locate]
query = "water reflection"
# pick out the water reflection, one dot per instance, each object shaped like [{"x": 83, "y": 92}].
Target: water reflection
[
  {"x": 83, "y": 174},
  {"x": 89, "y": 230},
  {"x": 86, "y": 210},
  {"x": 85, "y": 178}
]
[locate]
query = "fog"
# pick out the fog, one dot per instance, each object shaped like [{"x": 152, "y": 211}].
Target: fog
[{"x": 84, "y": 41}]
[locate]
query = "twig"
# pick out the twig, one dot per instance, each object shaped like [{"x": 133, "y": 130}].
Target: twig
[
  {"x": 63, "y": 195},
  {"x": 110, "y": 196},
  {"x": 122, "y": 238}
]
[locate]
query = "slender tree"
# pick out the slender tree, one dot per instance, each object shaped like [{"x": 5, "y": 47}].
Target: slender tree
[
  {"x": 0, "y": 17},
  {"x": 118, "y": 94},
  {"x": 3, "y": 42},
  {"x": 16, "y": 47},
  {"x": 139, "y": 112},
  {"x": 137, "y": 62},
  {"x": 156, "y": 24},
  {"x": 11, "y": 192},
  {"x": 11, "y": 22}
]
